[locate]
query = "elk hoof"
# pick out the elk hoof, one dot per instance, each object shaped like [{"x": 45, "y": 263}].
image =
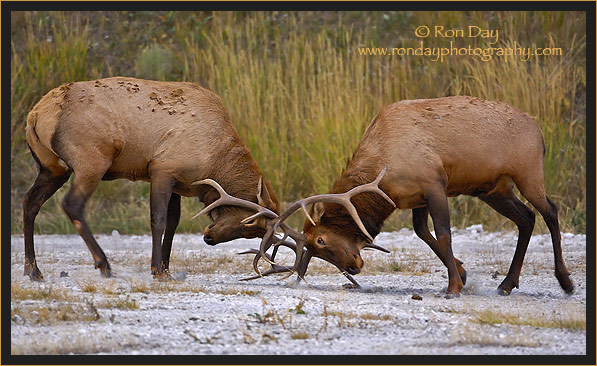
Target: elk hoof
[
  {"x": 566, "y": 283},
  {"x": 503, "y": 292},
  {"x": 463, "y": 277},
  {"x": 34, "y": 274},
  {"x": 106, "y": 273},
  {"x": 163, "y": 277},
  {"x": 451, "y": 295}
]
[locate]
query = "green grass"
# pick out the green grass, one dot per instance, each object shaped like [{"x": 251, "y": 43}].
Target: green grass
[{"x": 300, "y": 95}]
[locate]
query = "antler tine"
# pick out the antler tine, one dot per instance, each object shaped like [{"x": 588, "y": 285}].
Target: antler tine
[
  {"x": 226, "y": 199},
  {"x": 373, "y": 246},
  {"x": 275, "y": 267}
]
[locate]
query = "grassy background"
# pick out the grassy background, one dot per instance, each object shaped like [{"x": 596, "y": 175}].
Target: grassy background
[{"x": 299, "y": 93}]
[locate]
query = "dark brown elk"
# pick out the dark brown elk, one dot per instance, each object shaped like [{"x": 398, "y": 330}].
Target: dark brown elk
[
  {"x": 434, "y": 149},
  {"x": 171, "y": 134}
]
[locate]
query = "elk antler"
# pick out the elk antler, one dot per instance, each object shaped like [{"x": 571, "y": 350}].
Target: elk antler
[
  {"x": 373, "y": 246},
  {"x": 226, "y": 199},
  {"x": 275, "y": 267},
  {"x": 299, "y": 238}
]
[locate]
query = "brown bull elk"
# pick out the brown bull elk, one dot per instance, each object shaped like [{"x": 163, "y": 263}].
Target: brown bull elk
[
  {"x": 170, "y": 134},
  {"x": 434, "y": 149}
]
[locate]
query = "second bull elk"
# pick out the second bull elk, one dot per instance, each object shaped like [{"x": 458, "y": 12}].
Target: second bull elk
[
  {"x": 170, "y": 134},
  {"x": 432, "y": 149}
]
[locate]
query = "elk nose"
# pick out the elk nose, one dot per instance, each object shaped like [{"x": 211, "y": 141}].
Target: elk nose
[
  {"x": 208, "y": 240},
  {"x": 353, "y": 270}
]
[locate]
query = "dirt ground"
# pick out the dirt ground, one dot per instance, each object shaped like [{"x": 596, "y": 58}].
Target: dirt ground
[{"x": 400, "y": 310}]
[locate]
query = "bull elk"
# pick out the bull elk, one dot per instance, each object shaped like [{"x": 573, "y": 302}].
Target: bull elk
[
  {"x": 429, "y": 150},
  {"x": 171, "y": 134}
]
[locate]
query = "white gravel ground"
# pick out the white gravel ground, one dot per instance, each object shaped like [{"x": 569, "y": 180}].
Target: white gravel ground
[{"x": 208, "y": 311}]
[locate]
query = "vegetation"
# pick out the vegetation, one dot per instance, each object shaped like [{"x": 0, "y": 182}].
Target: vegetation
[
  {"x": 300, "y": 94},
  {"x": 569, "y": 320}
]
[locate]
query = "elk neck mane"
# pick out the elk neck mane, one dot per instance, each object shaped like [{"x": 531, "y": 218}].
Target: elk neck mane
[
  {"x": 239, "y": 175},
  {"x": 372, "y": 208}
]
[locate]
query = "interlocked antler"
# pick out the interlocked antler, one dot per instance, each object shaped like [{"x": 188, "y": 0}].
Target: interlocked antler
[
  {"x": 275, "y": 267},
  {"x": 299, "y": 238},
  {"x": 303, "y": 255}
]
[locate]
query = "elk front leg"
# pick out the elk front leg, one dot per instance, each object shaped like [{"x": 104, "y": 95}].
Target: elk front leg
[
  {"x": 437, "y": 203},
  {"x": 421, "y": 228},
  {"x": 171, "y": 224},
  {"x": 161, "y": 190}
]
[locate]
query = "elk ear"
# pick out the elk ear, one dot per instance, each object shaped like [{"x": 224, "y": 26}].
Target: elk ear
[
  {"x": 317, "y": 211},
  {"x": 263, "y": 197}
]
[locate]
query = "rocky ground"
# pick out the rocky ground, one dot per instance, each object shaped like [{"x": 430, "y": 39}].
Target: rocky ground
[{"x": 401, "y": 308}]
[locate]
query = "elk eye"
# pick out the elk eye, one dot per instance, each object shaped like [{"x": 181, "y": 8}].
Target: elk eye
[
  {"x": 250, "y": 222},
  {"x": 320, "y": 241}
]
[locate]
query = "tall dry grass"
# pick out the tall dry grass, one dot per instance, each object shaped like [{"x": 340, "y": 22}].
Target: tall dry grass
[{"x": 301, "y": 96}]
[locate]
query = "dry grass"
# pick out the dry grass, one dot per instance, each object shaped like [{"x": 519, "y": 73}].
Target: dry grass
[
  {"x": 300, "y": 335},
  {"x": 139, "y": 287},
  {"x": 122, "y": 304},
  {"x": 571, "y": 320},
  {"x": 173, "y": 286},
  {"x": 45, "y": 293},
  {"x": 486, "y": 339},
  {"x": 363, "y": 316},
  {"x": 88, "y": 287},
  {"x": 51, "y": 314},
  {"x": 233, "y": 291},
  {"x": 74, "y": 343}
]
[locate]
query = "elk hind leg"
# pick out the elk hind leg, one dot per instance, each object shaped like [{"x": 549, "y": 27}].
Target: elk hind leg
[
  {"x": 535, "y": 193},
  {"x": 511, "y": 207},
  {"x": 45, "y": 185},
  {"x": 84, "y": 183}
]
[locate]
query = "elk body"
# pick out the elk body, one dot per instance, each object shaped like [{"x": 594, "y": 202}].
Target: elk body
[
  {"x": 170, "y": 134},
  {"x": 434, "y": 149},
  {"x": 422, "y": 152}
]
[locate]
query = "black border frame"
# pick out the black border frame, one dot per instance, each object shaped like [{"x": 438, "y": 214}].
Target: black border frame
[{"x": 586, "y": 6}]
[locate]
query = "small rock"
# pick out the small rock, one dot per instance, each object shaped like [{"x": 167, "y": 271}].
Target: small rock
[
  {"x": 63, "y": 274},
  {"x": 17, "y": 319},
  {"x": 416, "y": 296},
  {"x": 180, "y": 276},
  {"x": 475, "y": 228}
]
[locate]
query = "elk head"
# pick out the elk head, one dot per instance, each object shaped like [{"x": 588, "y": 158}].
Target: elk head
[{"x": 228, "y": 214}]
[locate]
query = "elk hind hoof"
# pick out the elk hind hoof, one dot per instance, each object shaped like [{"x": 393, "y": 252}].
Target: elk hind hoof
[
  {"x": 106, "y": 273},
  {"x": 463, "y": 277},
  {"x": 350, "y": 286},
  {"x": 34, "y": 275},
  {"x": 451, "y": 295},
  {"x": 503, "y": 292}
]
